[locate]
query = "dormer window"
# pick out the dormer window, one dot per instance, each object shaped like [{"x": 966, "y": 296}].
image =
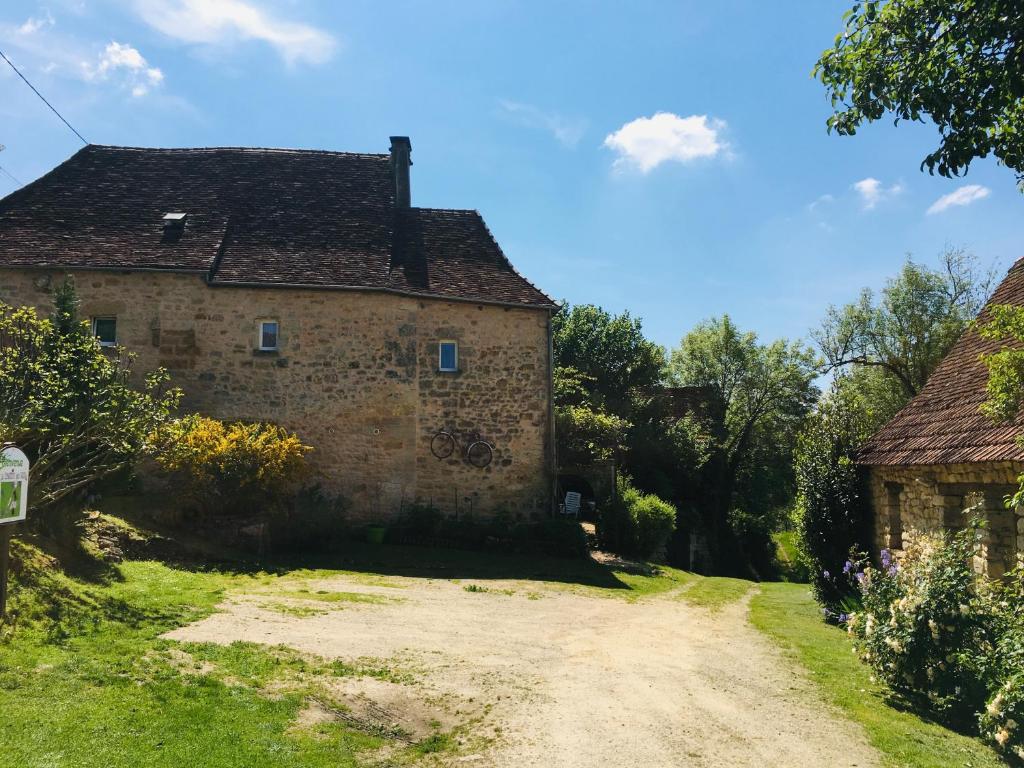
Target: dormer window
[{"x": 174, "y": 226}]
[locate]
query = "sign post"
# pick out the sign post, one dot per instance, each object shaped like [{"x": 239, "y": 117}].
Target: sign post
[{"x": 14, "y": 468}]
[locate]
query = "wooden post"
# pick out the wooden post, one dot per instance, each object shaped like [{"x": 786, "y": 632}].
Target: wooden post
[{"x": 5, "y": 556}]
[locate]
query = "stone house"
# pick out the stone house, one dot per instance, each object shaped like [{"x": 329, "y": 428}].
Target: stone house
[
  {"x": 940, "y": 456},
  {"x": 302, "y": 288}
]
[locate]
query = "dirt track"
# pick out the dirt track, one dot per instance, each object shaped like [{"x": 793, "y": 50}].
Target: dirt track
[{"x": 565, "y": 679}]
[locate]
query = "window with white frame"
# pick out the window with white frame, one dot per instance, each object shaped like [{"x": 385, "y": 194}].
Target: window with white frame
[
  {"x": 269, "y": 335},
  {"x": 448, "y": 356},
  {"x": 104, "y": 329}
]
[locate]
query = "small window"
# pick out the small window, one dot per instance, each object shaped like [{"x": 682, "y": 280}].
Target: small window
[
  {"x": 268, "y": 335},
  {"x": 105, "y": 330},
  {"x": 892, "y": 498},
  {"x": 448, "y": 356}
]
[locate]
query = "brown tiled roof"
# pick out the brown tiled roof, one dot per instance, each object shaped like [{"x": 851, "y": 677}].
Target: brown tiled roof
[
  {"x": 267, "y": 217},
  {"x": 943, "y": 425}
]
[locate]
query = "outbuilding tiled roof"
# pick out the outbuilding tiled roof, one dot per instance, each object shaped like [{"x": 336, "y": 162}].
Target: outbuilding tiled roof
[
  {"x": 266, "y": 217},
  {"x": 943, "y": 424}
]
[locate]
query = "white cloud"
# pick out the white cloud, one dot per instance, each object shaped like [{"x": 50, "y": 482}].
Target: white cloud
[
  {"x": 963, "y": 196},
  {"x": 567, "y": 130},
  {"x": 221, "y": 22},
  {"x": 822, "y": 200},
  {"x": 647, "y": 142},
  {"x": 33, "y": 25},
  {"x": 872, "y": 191},
  {"x": 124, "y": 60}
]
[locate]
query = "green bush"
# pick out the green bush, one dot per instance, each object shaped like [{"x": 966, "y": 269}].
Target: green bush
[
  {"x": 311, "y": 521},
  {"x": 1003, "y": 718},
  {"x": 945, "y": 638},
  {"x": 635, "y": 523},
  {"x": 925, "y": 627},
  {"x": 655, "y": 520},
  {"x": 426, "y": 525}
]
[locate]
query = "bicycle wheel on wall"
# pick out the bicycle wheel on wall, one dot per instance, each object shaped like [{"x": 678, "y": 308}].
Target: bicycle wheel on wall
[
  {"x": 479, "y": 454},
  {"x": 442, "y": 445}
]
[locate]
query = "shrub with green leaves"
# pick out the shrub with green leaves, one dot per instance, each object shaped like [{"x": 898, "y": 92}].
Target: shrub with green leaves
[
  {"x": 926, "y": 627},
  {"x": 635, "y": 523},
  {"x": 71, "y": 405},
  {"x": 1002, "y": 721},
  {"x": 311, "y": 520}
]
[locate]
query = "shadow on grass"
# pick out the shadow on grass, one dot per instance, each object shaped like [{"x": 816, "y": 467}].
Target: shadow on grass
[
  {"x": 181, "y": 549},
  {"x": 438, "y": 563}
]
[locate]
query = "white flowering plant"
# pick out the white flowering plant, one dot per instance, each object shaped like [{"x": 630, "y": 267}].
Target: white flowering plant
[
  {"x": 925, "y": 625},
  {"x": 1002, "y": 721}
]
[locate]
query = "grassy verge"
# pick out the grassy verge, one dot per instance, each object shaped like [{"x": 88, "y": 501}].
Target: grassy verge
[
  {"x": 85, "y": 680},
  {"x": 788, "y": 614}
]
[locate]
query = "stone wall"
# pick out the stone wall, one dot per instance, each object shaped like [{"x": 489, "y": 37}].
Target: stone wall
[
  {"x": 356, "y": 376},
  {"x": 910, "y": 500}
]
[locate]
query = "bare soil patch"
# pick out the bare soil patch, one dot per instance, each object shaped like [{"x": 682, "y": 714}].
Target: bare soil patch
[{"x": 571, "y": 679}]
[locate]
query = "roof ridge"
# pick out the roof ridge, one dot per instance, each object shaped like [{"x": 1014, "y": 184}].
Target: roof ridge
[
  {"x": 444, "y": 210},
  {"x": 262, "y": 150}
]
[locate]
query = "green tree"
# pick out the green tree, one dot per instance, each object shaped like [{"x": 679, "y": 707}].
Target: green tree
[
  {"x": 830, "y": 508},
  {"x": 906, "y": 331},
  {"x": 606, "y": 356},
  {"x": 761, "y": 393},
  {"x": 957, "y": 62},
  {"x": 1005, "y": 326},
  {"x": 69, "y": 403}
]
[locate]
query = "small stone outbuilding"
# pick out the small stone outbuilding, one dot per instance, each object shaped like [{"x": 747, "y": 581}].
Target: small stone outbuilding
[
  {"x": 303, "y": 288},
  {"x": 940, "y": 456}
]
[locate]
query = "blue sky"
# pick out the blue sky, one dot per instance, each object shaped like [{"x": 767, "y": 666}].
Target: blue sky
[{"x": 666, "y": 158}]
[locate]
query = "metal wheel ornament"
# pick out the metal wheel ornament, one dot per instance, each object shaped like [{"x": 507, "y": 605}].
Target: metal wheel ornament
[
  {"x": 442, "y": 445},
  {"x": 479, "y": 454}
]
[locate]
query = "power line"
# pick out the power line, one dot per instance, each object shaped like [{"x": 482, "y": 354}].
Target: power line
[
  {"x": 11, "y": 176},
  {"x": 37, "y": 93}
]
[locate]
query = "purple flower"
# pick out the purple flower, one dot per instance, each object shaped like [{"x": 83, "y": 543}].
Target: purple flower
[
  {"x": 859, "y": 576},
  {"x": 826, "y": 574},
  {"x": 843, "y": 617},
  {"x": 848, "y": 567},
  {"x": 886, "y": 558},
  {"x": 893, "y": 569}
]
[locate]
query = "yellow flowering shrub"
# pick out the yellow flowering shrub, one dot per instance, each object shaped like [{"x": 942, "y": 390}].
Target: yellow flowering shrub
[{"x": 232, "y": 467}]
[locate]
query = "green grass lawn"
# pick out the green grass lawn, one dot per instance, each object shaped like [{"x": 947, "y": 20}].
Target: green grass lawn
[
  {"x": 85, "y": 679},
  {"x": 788, "y": 614},
  {"x": 99, "y": 688}
]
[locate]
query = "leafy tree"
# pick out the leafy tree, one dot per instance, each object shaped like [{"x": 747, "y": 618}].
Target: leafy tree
[
  {"x": 1005, "y": 325},
  {"x": 606, "y": 356},
  {"x": 587, "y": 437},
  {"x": 957, "y": 62},
  {"x": 906, "y": 331},
  {"x": 761, "y": 394},
  {"x": 830, "y": 508},
  {"x": 68, "y": 403}
]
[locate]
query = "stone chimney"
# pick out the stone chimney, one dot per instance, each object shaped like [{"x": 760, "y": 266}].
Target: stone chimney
[{"x": 401, "y": 159}]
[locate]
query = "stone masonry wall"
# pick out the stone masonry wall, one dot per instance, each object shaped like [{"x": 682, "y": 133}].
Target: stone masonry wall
[
  {"x": 356, "y": 376},
  {"x": 910, "y": 500}
]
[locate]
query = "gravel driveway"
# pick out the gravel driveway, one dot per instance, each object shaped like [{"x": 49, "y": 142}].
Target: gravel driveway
[{"x": 555, "y": 677}]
